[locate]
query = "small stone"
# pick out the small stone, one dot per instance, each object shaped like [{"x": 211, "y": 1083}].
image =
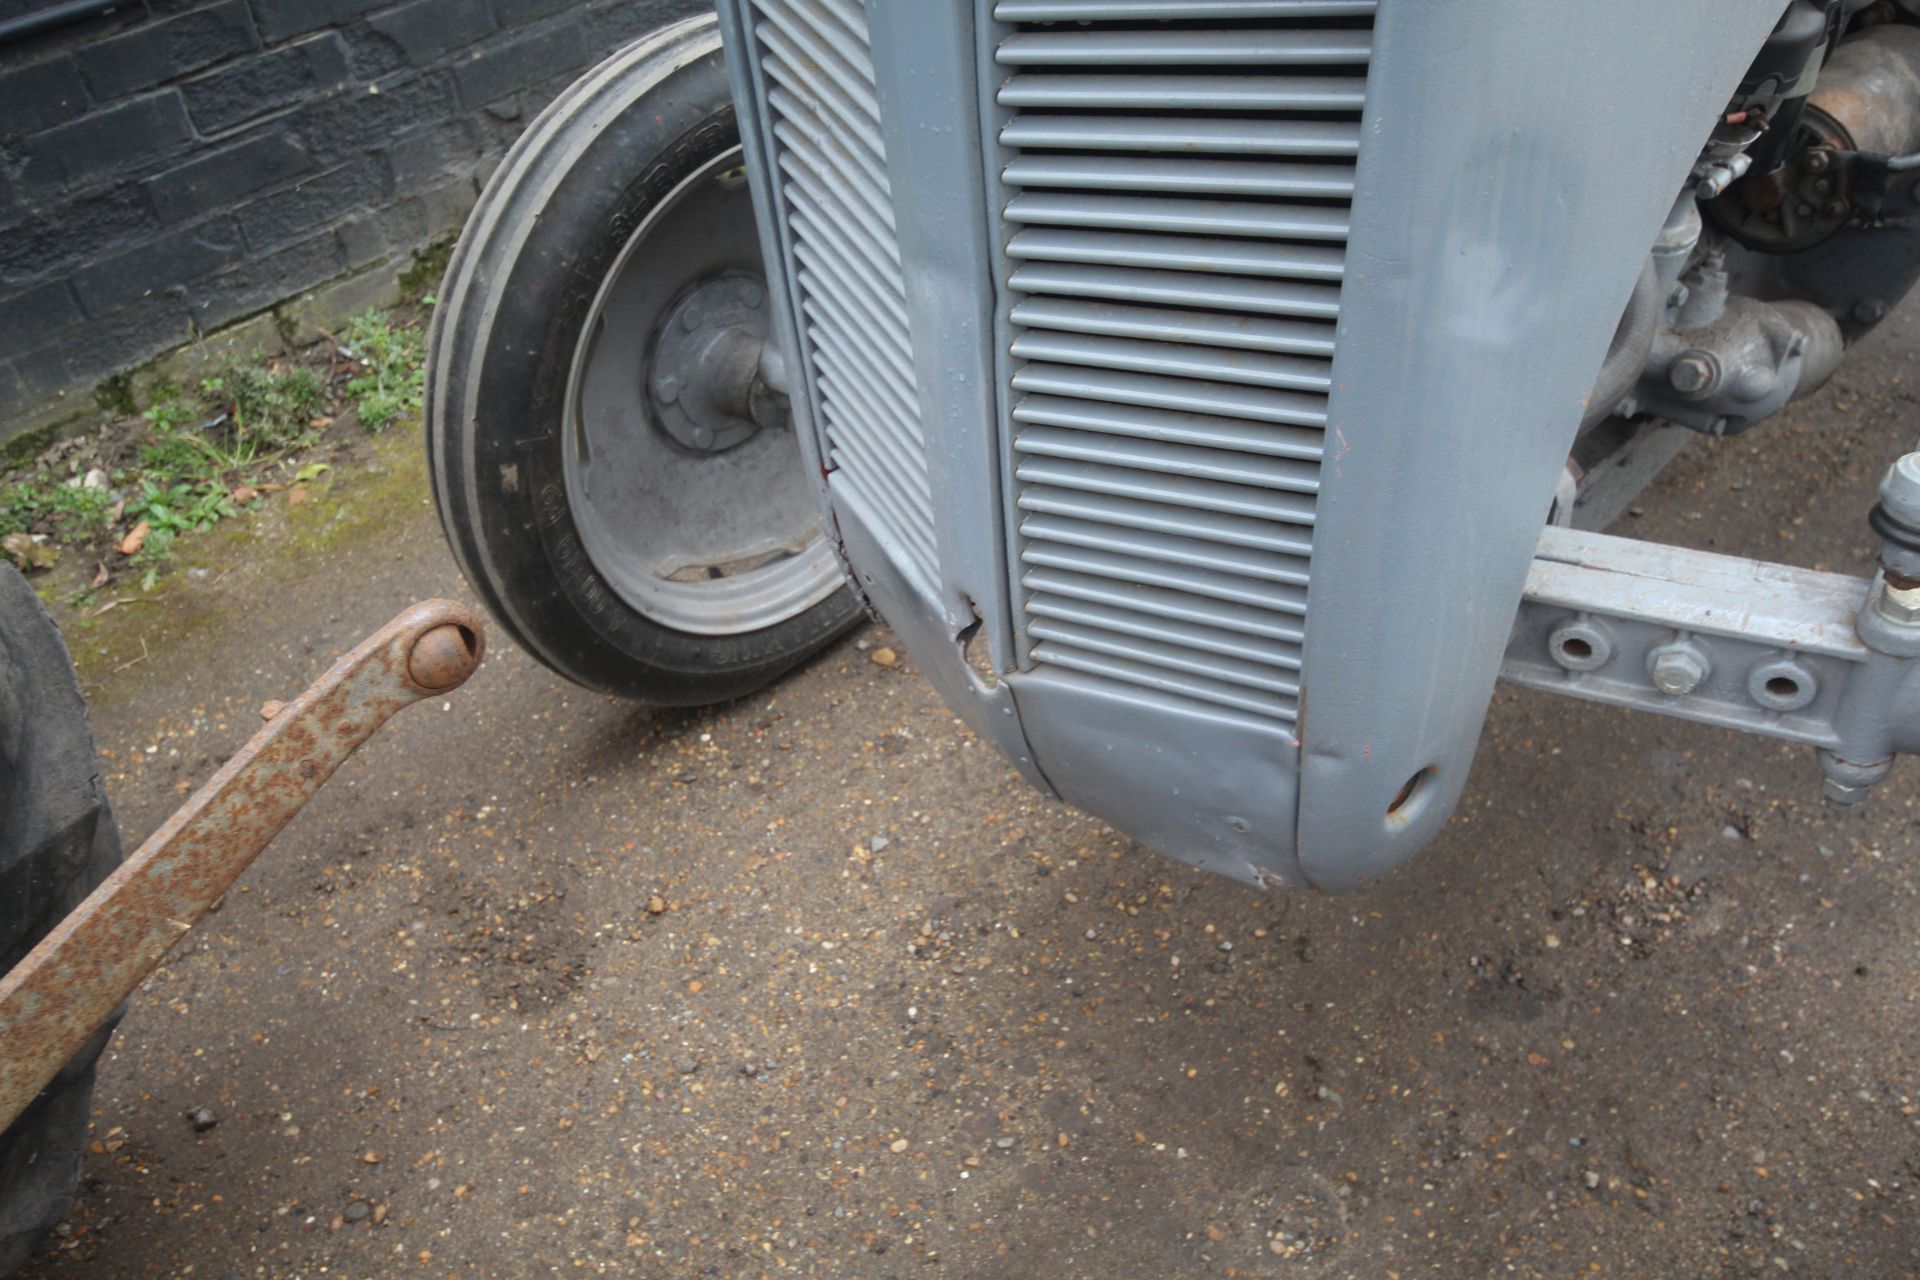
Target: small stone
[
  {"x": 271, "y": 708},
  {"x": 884, "y": 658},
  {"x": 862, "y": 645},
  {"x": 898, "y": 1145},
  {"x": 1731, "y": 832},
  {"x": 878, "y": 843},
  {"x": 372, "y": 1157},
  {"x": 96, "y": 480},
  {"x": 358, "y": 1211},
  {"x": 379, "y": 1214},
  {"x": 202, "y": 1119},
  {"x": 656, "y": 904},
  {"x": 686, "y": 1066},
  {"x": 1005, "y": 1144},
  {"x": 1592, "y": 1180},
  {"x": 749, "y": 1069}
]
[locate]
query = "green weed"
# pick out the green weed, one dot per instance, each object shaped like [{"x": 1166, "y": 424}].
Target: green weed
[
  {"x": 392, "y": 382},
  {"x": 65, "y": 511}
]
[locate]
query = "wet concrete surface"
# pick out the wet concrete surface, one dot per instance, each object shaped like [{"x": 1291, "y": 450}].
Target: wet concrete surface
[{"x": 545, "y": 984}]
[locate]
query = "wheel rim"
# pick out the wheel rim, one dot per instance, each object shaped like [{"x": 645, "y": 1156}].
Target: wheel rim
[{"x": 714, "y": 533}]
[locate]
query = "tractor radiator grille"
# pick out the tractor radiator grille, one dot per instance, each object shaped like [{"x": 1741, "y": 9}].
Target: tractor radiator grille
[
  {"x": 1178, "y": 183},
  {"x": 838, "y": 211}
]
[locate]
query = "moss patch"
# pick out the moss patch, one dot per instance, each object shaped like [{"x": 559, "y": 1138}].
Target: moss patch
[{"x": 420, "y": 280}]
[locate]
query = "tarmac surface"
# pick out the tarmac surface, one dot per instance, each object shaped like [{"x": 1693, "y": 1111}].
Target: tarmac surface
[{"x": 813, "y": 984}]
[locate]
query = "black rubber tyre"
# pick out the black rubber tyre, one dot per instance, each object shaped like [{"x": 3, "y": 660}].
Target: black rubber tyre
[
  {"x": 518, "y": 295},
  {"x": 57, "y": 841}
]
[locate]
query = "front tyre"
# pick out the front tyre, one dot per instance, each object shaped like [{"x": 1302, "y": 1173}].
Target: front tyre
[{"x": 617, "y": 482}]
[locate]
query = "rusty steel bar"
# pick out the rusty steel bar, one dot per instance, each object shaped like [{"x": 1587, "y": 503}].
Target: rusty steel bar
[{"x": 70, "y": 984}]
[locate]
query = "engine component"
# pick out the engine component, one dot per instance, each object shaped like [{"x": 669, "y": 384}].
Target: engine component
[
  {"x": 1865, "y": 108},
  {"x": 1729, "y": 361}
]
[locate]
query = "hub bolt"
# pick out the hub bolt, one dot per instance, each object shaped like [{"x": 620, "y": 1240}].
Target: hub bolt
[
  {"x": 1677, "y": 669},
  {"x": 1692, "y": 373}
]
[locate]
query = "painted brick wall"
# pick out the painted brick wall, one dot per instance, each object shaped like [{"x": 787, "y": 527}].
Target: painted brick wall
[{"x": 178, "y": 165}]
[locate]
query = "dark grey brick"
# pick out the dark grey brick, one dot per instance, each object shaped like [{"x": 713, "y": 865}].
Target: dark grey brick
[
  {"x": 30, "y": 316},
  {"x": 165, "y": 50},
  {"x": 76, "y": 231},
  {"x": 518, "y": 13},
  {"x": 43, "y": 369},
  {"x": 427, "y": 155},
  {"x": 357, "y": 121},
  {"x": 168, "y": 263},
  {"x": 258, "y": 284},
  {"x": 125, "y": 136},
  {"x": 447, "y": 204},
  {"x": 312, "y": 203},
  {"x": 216, "y": 179},
  {"x": 93, "y": 351},
  {"x": 404, "y": 224},
  {"x": 40, "y": 95},
  {"x": 426, "y": 29},
  {"x": 15, "y": 399},
  {"x": 496, "y": 69},
  {"x": 284, "y": 19},
  {"x": 613, "y": 26},
  {"x": 274, "y": 81}
]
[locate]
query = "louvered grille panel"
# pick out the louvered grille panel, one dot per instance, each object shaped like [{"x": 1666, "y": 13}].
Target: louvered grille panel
[
  {"x": 838, "y": 209},
  {"x": 1179, "y": 180}
]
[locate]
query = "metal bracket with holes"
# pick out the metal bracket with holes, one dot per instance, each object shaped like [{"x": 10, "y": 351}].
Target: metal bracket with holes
[{"x": 1820, "y": 658}]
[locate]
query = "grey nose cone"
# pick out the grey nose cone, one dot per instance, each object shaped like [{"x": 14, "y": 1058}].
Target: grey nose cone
[{"x": 1900, "y": 491}]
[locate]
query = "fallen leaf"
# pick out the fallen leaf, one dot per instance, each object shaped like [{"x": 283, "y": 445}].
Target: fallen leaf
[
  {"x": 319, "y": 422},
  {"x": 136, "y": 538},
  {"x": 27, "y": 553},
  {"x": 99, "y": 577},
  {"x": 243, "y": 493},
  {"x": 296, "y": 496}
]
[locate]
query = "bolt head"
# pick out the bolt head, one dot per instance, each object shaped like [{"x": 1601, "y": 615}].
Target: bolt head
[
  {"x": 1677, "y": 671},
  {"x": 1817, "y": 160},
  {"x": 1692, "y": 373},
  {"x": 1869, "y": 310}
]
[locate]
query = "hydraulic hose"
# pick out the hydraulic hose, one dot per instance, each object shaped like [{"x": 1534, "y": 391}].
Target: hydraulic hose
[{"x": 1632, "y": 343}]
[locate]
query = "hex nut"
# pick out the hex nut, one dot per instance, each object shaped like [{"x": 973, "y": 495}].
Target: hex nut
[
  {"x": 1843, "y": 795},
  {"x": 1897, "y": 604},
  {"x": 1676, "y": 669}
]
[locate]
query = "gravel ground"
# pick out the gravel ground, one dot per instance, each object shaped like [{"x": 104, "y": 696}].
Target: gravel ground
[{"x": 545, "y": 984}]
